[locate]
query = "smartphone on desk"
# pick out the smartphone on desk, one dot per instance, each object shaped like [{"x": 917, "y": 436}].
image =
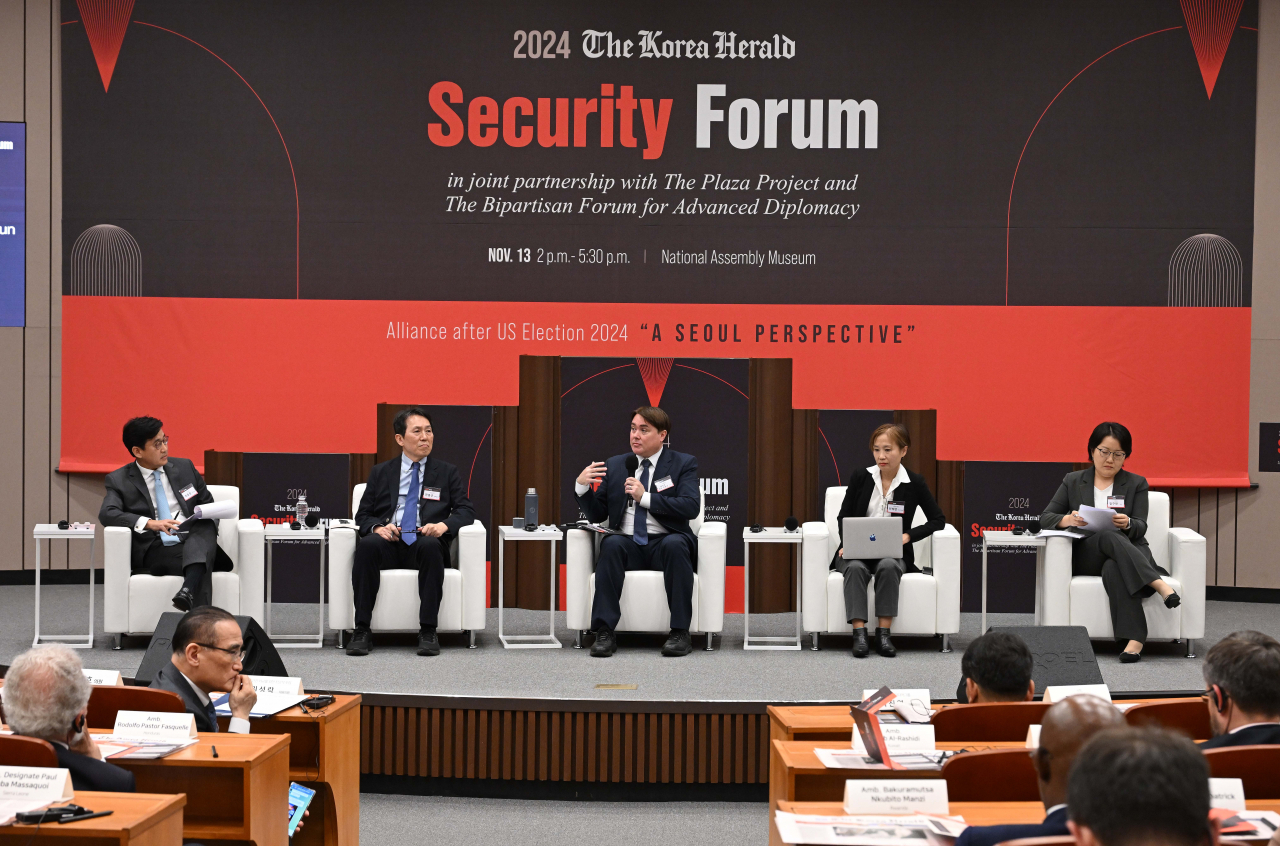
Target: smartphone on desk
[{"x": 299, "y": 798}]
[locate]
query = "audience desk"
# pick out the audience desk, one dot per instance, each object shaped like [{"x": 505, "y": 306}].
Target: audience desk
[
  {"x": 243, "y": 794},
  {"x": 324, "y": 754},
  {"x": 137, "y": 819}
]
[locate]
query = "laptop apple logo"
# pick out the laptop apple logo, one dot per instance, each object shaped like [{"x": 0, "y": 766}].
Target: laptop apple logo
[{"x": 873, "y": 537}]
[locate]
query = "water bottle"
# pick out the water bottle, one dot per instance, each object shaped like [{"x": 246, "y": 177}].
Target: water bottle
[
  {"x": 531, "y": 510},
  {"x": 300, "y": 509}
]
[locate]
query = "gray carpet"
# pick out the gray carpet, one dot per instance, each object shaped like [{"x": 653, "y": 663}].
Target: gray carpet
[
  {"x": 728, "y": 672},
  {"x": 516, "y": 822}
]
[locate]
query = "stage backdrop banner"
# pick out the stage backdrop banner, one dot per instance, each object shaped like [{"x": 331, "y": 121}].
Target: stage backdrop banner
[
  {"x": 271, "y": 484},
  {"x": 844, "y": 445},
  {"x": 999, "y": 495},
  {"x": 13, "y": 224},
  {"x": 707, "y": 401},
  {"x": 1039, "y": 213}
]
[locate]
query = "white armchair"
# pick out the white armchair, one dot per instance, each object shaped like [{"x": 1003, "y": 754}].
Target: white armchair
[
  {"x": 928, "y": 602},
  {"x": 133, "y": 603},
  {"x": 644, "y": 594},
  {"x": 462, "y": 604},
  {"x": 1067, "y": 600}
]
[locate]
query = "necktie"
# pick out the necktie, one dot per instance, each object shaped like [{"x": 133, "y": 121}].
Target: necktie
[
  {"x": 162, "y": 508},
  {"x": 212, "y": 712},
  {"x": 409, "y": 521},
  {"x": 640, "y": 525}
]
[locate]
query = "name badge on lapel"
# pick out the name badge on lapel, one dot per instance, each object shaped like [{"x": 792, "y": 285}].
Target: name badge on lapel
[
  {"x": 1115, "y": 502},
  {"x": 432, "y": 494},
  {"x": 895, "y": 508},
  {"x": 187, "y": 492},
  {"x": 663, "y": 483}
]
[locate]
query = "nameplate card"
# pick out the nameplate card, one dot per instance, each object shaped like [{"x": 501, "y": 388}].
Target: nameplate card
[
  {"x": 1033, "y": 737},
  {"x": 895, "y": 796},
  {"x": 1226, "y": 793},
  {"x": 37, "y": 785},
  {"x": 276, "y": 684},
  {"x": 154, "y": 725},
  {"x": 901, "y": 738},
  {"x": 916, "y": 697},
  {"x": 1059, "y": 692},
  {"x": 104, "y": 678}
]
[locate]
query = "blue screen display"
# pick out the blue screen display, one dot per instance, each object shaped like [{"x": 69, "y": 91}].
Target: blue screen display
[{"x": 13, "y": 223}]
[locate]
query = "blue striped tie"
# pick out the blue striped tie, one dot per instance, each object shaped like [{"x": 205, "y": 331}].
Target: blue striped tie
[
  {"x": 409, "y": 520},
  {"x": 640, "y": 526}
]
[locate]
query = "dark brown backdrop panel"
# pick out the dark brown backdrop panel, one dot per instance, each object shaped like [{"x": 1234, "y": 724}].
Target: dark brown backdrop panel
[{"x": 770, "y": 428}]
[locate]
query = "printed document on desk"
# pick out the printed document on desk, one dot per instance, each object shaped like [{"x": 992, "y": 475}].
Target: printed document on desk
[
  {"x": 120, "y": 748},
  {"x": 851, "y": 759},
  {"x": 268, "y": 704},
  {"x": 913, "y": 830}
]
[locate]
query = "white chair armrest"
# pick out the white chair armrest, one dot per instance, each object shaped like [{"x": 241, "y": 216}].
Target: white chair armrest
[
  {"x": 116, "y": 551},
  {"x": 252, "y": 568},
  {"x": 1057, "y": 582},
  {"x": 342, "y": 555},
  {"x": 580, "y": 561},
  {"x": 815, "y": 562},
  {"x": 473, "y": 563},
  {"x": 946, "y": 572},
  {"x": 1187, "y": 555},
  {"x": 712, "y": 548}
]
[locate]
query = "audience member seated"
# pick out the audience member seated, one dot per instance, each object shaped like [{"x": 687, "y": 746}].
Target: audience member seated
[
  {"x": 207, "y": 654},
  {"x": 1065, "y": 729},
  {"x": 47, "y": 696},
  {"x": 1242, "y": 688},
  {"x": 1140, "y": 787},
  {"x": 996, "y": 668}
]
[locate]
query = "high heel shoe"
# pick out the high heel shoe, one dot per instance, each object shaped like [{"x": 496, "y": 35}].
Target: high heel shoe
[{"x": 1172, "y": 601}]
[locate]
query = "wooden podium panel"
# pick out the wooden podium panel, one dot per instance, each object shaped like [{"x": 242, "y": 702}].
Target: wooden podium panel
[{"x": 137, "y": 819}]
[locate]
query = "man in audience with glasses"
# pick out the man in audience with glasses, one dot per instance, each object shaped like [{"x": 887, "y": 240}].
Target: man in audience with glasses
[
  {"x": 1242, "y": 687},
  {"x": 152, "y": 495},
  {"x": 207, "y": 653}
]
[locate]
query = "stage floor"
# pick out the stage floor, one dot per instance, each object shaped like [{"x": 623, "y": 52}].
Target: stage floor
[{"x": 728, "y": 673}]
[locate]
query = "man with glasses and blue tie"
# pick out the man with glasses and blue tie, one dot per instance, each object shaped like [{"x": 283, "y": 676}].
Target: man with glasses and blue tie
[
  {"x": 153, "y": 494},
  {"x": 411, "y": 511},
  {"x": 208, "y": 651},
  {"x": 648, "y": 495}
]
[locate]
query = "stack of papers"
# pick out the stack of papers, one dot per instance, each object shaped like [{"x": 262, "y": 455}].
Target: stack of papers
[
  {"x": 1247, "y": 825},
  {"x": 120, "y": 747},
  {"x": 913, "y": 830},
  {"x": 852, "y": 759},
  {"x": 268, "y": 704}
]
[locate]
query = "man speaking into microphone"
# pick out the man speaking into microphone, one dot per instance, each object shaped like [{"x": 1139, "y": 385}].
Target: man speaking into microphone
[{"x": 649, "y": 495}]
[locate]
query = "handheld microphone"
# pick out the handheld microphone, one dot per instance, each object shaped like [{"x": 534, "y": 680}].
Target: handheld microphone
[
  {"x": 791, "y": 524},
  {"x": 632, "y": 463},
  {"x": 313, "y": 520}
]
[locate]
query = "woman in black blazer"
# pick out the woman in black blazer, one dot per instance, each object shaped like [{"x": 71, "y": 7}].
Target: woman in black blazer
[
  {"x": 1122, "y": 558},
  {"x": 885, "y": 489}
]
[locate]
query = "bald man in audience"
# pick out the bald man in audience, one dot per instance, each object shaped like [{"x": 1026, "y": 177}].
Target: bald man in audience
[
  {"x": 1242, "y": 689},
  {"x": 996, "y": 668},
  {"x": 1065, "y": 729}
]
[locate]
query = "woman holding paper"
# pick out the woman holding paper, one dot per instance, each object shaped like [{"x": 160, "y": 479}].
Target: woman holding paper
[{"x": 1119, "y": 553}]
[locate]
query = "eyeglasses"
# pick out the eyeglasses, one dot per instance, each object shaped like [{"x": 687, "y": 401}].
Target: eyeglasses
[
  {"x": 236, "y": 652},
  {"x": 1106, "y": 453},
  {"x": 159, "y": 442}
]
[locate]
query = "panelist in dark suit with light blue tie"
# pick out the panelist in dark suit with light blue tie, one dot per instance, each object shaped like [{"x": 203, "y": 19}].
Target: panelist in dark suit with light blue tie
[
  {"x": 651, "y": 505},
  {"x": 1063, "y": 731},
  {"x": 411, "y": 511}
]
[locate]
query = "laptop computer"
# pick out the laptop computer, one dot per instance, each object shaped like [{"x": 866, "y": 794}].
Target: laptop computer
[{"x": 872, "y": 537}]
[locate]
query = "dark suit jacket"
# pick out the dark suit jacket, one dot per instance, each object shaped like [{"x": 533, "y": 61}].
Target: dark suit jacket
[
  {"x": 1077, "y": 489},
  {"x": 915, "y": 494},
  {"x": 1054, "y": 825},
  {"x": 91, "y": 774},
  {"x": 128, "y": 499},
  {"x": 1263, "y": 735},
  {"x": 378, "y": 505},
  {"x": 673, "y": 508},
  {"x": 168, "y": 678}
]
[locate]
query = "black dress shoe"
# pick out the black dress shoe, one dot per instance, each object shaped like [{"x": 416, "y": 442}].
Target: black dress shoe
[
  {"x": 678, "y": 644},
  {"x": 861, "y": 649},
  {"x": 428, "y": 643},
  {"x": 606, "y": 644},
  {"x": 1172, "y": 601},
  {"x": 883, "y": 645},
  {"x": 361, "y": 642},
  {"x": 184, "y": 600},
  {"x": 1131, "y": 657}
]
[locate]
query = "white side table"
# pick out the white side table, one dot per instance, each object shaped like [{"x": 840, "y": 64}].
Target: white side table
[
  {"x": 990, "y": 538},
  {"x": 538, "y": 641},
  {"x": 51, "y": 532},
  {"x": 771, "y": 534},
  {"x": 281, "y": 532}
]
